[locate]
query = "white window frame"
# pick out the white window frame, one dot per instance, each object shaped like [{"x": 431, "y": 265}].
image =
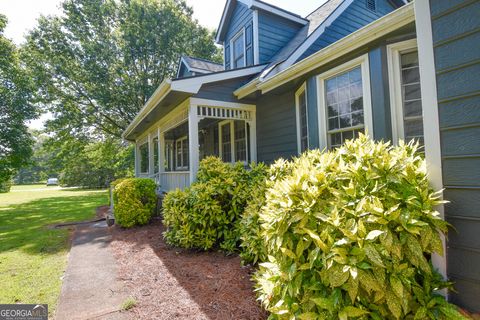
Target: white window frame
[
  {"x": 361, "y": 62},
  {"x": 239, "y": 34},
  {"x": 395, "y": 85},
  {"x": 232, "y": 140},
  {"x": 183, "y": 167},
  {"x": 302, "y": 89}
]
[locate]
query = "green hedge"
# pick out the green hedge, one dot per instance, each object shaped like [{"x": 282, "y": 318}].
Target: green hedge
[
  {"x": 348, "y": 234},
  {"x": 207, "y": 214},
  {"x": 5, "y": 186},
  {"x": 134, "y": 200}
]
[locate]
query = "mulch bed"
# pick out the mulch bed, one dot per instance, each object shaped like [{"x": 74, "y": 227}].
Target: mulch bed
[{"x": 171, "y": 283}]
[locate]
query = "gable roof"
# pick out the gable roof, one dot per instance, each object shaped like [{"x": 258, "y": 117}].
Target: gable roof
[
  {"x": 199, "y": 65},
  {"x": 253, "y": 4}
]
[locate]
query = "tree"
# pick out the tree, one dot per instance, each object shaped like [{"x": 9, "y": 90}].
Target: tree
[
  {"x": 98, "y": 63},
  {"x": 15, "y": 109}
]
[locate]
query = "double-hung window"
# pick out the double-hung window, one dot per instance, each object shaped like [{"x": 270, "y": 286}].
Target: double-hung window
[
  {"x": 156, "y": 154},
  {"x": 181, "y": 154},
  {"x": 238, "y": 50},
  {"x": 406, "y": 97},
  {"x": 233, "y": 137},
  {"x": 302, "y": 119},
  {"x": 345, "y": 107}
]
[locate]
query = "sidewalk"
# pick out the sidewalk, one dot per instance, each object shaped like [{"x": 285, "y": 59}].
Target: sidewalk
[{"x": 90, "y": 287}]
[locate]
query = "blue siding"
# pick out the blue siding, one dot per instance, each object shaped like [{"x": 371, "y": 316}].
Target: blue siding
[
  {"x": 184, "y": 72},
  {"x": 312, "y": 110},
  {"x": 456, "y": 36},
  {"x": 274, "y": 33},
  {"x": 241, "y": 18},
  {"x": 222, "y": 90},
  {"x": 353, "y": 18},
  {"x": 381, "y": 112},
  {"x": 276, "y": 127}
]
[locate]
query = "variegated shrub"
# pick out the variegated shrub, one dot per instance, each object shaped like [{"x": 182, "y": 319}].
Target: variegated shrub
[{"x": 349, "y": 234}]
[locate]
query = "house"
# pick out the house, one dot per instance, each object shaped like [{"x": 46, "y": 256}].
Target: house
[{"x": 289, "y": 83}]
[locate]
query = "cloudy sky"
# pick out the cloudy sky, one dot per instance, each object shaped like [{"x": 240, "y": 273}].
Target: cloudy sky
[{"x": 22, "y": 16}]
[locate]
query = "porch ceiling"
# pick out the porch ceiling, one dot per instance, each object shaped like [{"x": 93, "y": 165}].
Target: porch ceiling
[{"x": 167, "y": 104}]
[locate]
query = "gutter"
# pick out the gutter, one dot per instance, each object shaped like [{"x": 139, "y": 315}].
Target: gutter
[{"x": 377, "y": 29}]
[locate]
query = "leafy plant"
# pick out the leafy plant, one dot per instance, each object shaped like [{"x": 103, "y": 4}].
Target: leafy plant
[
  {"x": 134, "y": 200},
  {"x": 348, "y": 234},
  {"x": 129, "y": 304},
  {"x": 207, "y": 214}
]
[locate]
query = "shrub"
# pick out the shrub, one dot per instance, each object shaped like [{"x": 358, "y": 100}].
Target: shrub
[
  {"x": 348, "y": 234},
  {"x": 252, "y": 245},
  {"x": 134, "y": 201},
  {"x": 207, "y": 214}
]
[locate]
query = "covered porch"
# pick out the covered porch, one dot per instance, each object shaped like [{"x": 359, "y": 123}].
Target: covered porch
[{"x": 170, "y": 150}]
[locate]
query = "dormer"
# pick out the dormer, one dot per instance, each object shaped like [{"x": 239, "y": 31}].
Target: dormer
[
  {"x": 252, "y": 32},
  {"x": 190, "y": 67}
]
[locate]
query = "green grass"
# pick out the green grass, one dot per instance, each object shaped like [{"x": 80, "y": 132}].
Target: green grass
[{"x": 33, "y": 256}]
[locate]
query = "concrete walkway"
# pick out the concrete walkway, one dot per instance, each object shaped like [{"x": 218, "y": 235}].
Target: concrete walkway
[{"x": 90, "y": 287}]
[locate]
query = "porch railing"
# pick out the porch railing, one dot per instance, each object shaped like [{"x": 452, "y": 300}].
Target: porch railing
[{"x": 175, "y": 179}]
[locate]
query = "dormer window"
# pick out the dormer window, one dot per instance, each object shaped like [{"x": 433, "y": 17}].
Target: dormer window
[{"x": 238, "y": 50}]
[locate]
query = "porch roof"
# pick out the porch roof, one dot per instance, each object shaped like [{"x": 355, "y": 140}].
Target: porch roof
[{"x": 171, "y": 93}]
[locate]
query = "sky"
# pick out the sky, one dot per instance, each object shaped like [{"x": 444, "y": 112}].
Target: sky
[{"x": 22, "y": 16}]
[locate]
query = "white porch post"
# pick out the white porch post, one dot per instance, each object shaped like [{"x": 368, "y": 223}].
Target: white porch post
[
  {"x": 150, "y": 154},
  {"x": 193, "y": 141},
  {"x": 136, "y": 159},
  {"x": 161, "y": 152},
  {"x": 253, "y": 137}
]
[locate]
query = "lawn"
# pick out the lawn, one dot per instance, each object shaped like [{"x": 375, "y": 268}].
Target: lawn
[{"x": 33, "y": 256}]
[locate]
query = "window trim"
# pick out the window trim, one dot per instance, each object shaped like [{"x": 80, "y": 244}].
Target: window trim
[
  {"x": 302, "y": 89},
  {"x": 361, "y": 62},
  {"x": 183, "y": 167},
  {"x": 395, "y": 85},
  {"x": 232, "y": 139},
  {"x": 240, "y": 33}
]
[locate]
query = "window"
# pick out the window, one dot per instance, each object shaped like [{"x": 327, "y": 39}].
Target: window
[
  {"x": 155, "y": 155},
  {"x": 143, "y": 151},
  {"x": 181, "y": 154},
  {"x": 238, "y": 50},
  {"x": 168, "y": 155},
  {"x": 372, "y": 5},
  {"x": 407, "y": 119},
  {"x": 345, "y": 108},
  {"x": 302, "y": 119},
  {"x": 233, "y": 141}
]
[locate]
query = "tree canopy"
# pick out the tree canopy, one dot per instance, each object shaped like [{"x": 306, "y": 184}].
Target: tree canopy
[
  {"x": 98, "y": 63},
  {"x": 15, "y": 109}
]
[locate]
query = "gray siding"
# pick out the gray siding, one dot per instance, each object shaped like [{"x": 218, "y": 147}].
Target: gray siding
[
  {"x": 241, "y": 18},
  {"x": 274, "y": 33},
  {"x": 353, "y": 18},
  {"x": 276, "y": 127},
  {"x": 222, "y": 90},
  {"x": 456, "y": 36}
]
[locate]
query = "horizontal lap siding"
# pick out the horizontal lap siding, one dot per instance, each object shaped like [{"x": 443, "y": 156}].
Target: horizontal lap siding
[
  {"x": 276, "y": 127},
  {"x": 353, "y": 18},
  {"x": 273, "y": 33},
  {"x": 222, "y": 91},
  {"x": 456, "y": 36}
]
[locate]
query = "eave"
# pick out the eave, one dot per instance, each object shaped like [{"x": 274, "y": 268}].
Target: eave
[{"x": 375, "y": 30}]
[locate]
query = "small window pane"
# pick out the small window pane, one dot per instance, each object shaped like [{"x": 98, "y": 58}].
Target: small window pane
[
  {"x": 411, "y": 97},
  {"x": 303, "y": 121},
  {"x": 345, "y": 106},
  {"x": 240, "y": 141},
  {"x": 226, "y": 143},
  {"x": 143, "y": 158},
  {"x": 238, "y": 52},
  {"x": 155, "y": 155}
]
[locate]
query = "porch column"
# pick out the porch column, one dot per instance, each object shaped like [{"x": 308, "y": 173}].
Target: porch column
[
  {"x": 193, "y": 141},
  {"x": 150, "y": 155},
  {"x": 161, "y": 152},
  {"x": 136, "y": 158},
  {"x": 253, "y": 137}
]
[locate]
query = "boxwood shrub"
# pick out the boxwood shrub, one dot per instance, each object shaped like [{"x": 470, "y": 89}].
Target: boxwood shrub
[
  {"x": 349, "y": 233},
  {"x": 207, "y": 214},
  {"x": 134, "y": 201}
]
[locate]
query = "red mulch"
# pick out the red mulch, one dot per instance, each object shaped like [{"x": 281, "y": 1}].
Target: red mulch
[{"x": 171, "y": 283}]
